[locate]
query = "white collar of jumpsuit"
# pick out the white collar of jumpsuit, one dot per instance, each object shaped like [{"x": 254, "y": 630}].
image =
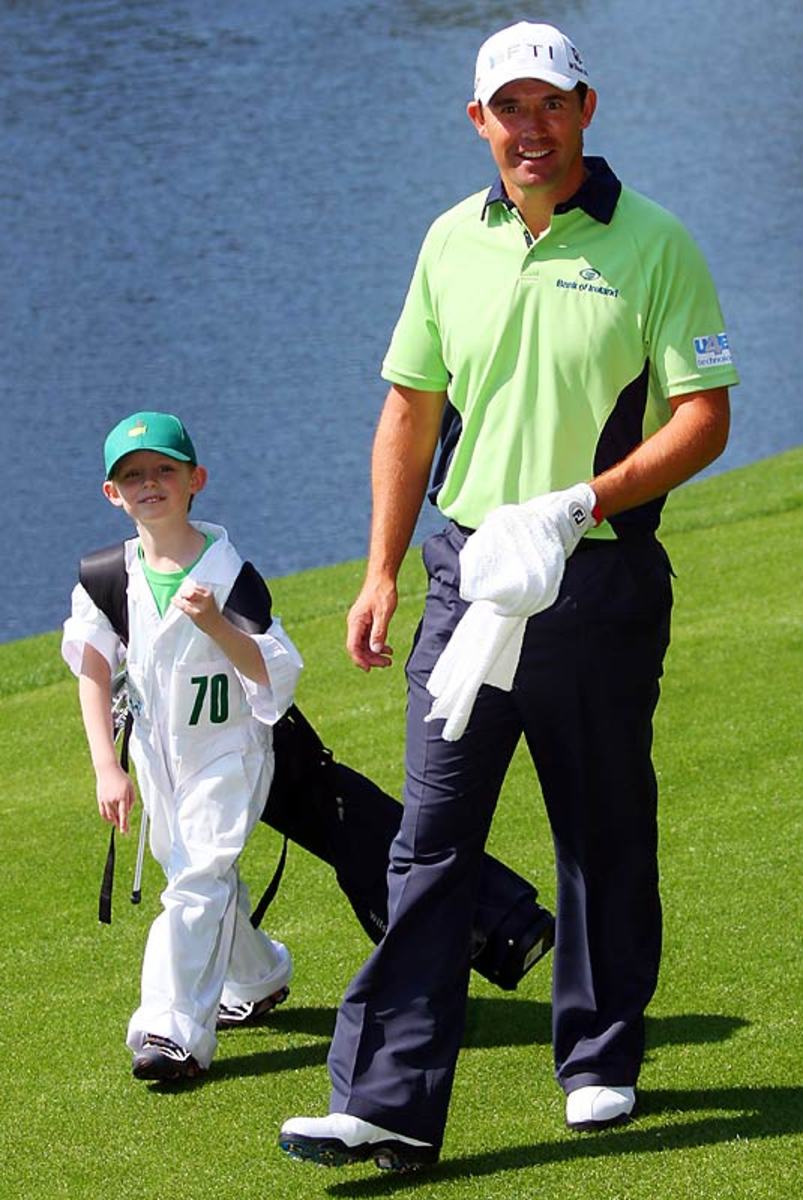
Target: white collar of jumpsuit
[
  {"x": 214, "y": 567},
  {"x": 216, "y": 564}
]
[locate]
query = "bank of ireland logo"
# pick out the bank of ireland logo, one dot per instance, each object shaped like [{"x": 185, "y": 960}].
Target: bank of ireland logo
[
  {"x": 712, "y": 350},
  {"x": 590, "y": 281}
]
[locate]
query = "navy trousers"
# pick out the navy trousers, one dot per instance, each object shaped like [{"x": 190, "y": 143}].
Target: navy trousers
[{"x": 583, "y": 697}]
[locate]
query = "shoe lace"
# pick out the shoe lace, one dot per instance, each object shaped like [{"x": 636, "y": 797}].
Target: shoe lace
[
  {"x": 237, "y": 1010},
  {"x": 166, "y": 1045}
]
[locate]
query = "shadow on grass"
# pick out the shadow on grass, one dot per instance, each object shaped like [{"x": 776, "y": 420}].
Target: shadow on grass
[
  {"x": 714, "y": 1116},
  {"x": 498, "y": 1022},
  {"x": 490, "y": 1022}
]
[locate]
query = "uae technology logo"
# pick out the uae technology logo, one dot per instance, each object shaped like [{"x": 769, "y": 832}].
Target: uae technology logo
[{"x": 712, "y": 350}]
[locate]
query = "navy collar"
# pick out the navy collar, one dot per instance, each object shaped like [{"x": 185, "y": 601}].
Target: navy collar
[{"x": 597, "y": 195}]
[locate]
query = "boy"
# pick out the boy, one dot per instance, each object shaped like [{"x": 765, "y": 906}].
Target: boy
[{"x": 204, "y": 695}]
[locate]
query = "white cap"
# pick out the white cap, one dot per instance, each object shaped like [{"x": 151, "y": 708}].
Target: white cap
[{"x": 527, "y": 51}]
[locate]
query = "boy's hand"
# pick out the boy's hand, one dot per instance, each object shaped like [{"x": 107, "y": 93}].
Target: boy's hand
[
  {"x": 200, "y": 606},
  {"x": 115, "y": 793}
]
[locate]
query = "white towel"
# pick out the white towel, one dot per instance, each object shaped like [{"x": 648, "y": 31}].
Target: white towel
[
  {"x": 515, "y": 560},
  {"x": 484, "y": 648},
  {"x": 510, "y": 569}
]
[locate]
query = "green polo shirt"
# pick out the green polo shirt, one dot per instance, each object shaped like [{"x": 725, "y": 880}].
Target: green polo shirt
[{"x": 558, "y": 353}]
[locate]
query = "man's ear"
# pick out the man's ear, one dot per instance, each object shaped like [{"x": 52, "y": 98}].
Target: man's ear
[
  {"x": 111, "y": 493},
  {"x": 198, "y": 479},
  {"x": 476, "y": 115},
  {"x": 589, "y": 108}
]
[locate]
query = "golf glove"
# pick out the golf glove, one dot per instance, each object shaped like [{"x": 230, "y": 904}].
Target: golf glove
[{"x": 517, "y": 557}]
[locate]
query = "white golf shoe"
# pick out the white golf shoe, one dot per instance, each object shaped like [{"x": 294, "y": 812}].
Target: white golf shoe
[
  {"x": 598, "y": 1107},
  {"x": 339, "y": 1139}
]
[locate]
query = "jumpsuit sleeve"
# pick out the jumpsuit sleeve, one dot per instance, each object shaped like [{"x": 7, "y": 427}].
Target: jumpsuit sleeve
[
  {"x": 88, "y": 626},
  {"x": 283, "y": 663}
]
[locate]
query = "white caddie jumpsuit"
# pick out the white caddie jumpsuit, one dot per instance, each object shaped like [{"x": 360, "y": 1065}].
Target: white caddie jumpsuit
[{"x": 202, "y": 746}]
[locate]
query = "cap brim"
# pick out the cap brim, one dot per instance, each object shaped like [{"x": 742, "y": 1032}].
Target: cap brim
[{"x": 498, "y": 79}]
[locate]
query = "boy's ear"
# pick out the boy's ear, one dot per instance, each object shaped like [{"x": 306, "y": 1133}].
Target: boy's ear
[
  {"x": 111, "y": 493},
  {"x": 198, "y": 479}
]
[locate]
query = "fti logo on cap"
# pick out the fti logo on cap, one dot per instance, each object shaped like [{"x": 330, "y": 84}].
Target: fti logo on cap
[{"x": 138, "y": 430}]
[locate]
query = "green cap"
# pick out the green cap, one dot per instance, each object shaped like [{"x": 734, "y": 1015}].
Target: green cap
[{"x": 157, "y": 431}]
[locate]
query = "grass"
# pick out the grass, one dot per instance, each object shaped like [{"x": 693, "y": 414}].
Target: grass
[{"x": 721, "y": 1109}]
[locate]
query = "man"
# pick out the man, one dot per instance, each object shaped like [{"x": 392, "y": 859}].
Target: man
[{"x": 563, "y": 338}]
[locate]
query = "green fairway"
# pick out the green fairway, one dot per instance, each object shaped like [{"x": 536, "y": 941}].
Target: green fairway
[{"x": 721, "y": 1105}]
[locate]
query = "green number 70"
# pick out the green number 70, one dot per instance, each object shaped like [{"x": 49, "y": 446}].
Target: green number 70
[{"x": 218, "y": 688}]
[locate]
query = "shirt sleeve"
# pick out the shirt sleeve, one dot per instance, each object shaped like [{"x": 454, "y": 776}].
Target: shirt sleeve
[
  {"x": 685, "y": 331},
  {"x": 88, "y": 626},
  {"x": 283, "y": 663},
  {"x": 415, "y": 358}
]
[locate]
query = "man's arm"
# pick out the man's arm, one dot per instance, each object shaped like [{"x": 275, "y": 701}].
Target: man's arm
[
  {"x": 404, "y": 446},
  {"x": 693, "y": 437}
]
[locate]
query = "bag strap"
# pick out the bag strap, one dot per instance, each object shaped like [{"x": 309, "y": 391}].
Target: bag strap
[
  {"x": 105, "y": 578},
  {"x": 271, "y": 889},
  {"x": 107, "y": 882},
  {"x": 103, "y": 574},
  {"x": 249, "y": 604}
]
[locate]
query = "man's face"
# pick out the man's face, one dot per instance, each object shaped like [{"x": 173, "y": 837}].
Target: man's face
[{"x": 535, "y": 133}]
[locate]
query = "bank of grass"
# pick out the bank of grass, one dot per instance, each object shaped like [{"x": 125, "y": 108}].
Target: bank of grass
[{"x": 720, "y": 1105}]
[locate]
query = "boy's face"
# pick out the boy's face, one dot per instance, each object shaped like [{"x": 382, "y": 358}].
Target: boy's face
[{"x": 153, "y": 488}]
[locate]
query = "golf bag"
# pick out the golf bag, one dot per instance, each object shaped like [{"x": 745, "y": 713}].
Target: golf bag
[{"x": 341, "y": 816}]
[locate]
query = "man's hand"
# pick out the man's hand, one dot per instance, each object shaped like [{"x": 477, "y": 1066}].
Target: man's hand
[
  {"x": 115, "y": 793},
  {"x": 517, "y": 557},
  {"x": 404, "y": 444},
  {"x": 570, "y": 513},
  {"x": 367, "y": 625}
]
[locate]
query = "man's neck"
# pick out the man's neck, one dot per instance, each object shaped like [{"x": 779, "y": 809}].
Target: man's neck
[
  {"x": 535, "y": 212},
  {"x": 170, "y": 547},
  {"x": 536, "y": 205}
]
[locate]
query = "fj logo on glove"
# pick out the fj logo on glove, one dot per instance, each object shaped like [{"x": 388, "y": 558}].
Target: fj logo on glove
[{"x": 577, "y": 514}]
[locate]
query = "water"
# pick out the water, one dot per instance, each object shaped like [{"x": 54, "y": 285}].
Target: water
[{"x": 214, "y": 208}]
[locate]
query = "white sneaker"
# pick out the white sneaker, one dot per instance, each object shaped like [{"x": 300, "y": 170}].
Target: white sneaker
[
  {"x": 598, "y": 1107},
  {"x": 340, "y": 1138}
]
